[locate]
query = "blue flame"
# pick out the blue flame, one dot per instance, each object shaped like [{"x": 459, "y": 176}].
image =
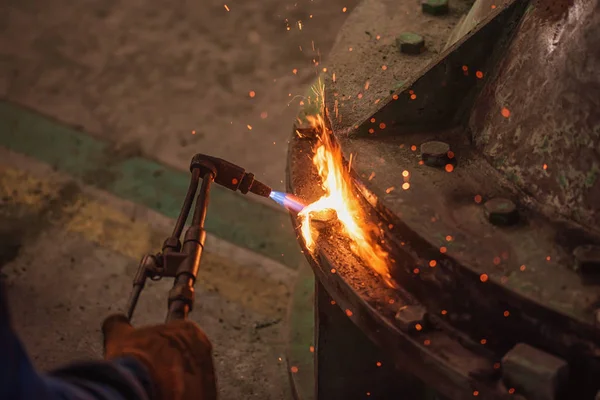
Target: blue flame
[{"x": 287, "y": 200}]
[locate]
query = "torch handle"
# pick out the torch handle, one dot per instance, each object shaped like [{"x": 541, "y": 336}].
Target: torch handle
[{"x": 181, "y": 296}]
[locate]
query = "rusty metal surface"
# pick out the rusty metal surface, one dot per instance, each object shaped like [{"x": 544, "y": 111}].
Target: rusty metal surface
[
  {"x": 446, "y": 362},
  {"x": 367, "y": 44},
  {"x": 428, "y": 91},
  {"x": 549, "y": 146}
]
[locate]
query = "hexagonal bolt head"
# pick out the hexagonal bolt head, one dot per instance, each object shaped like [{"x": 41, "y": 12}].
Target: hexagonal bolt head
[
  {"x": 501, "y": 212},
  {"x": 410, "y": 43},
  {"x": 435, "y": 154},
  {"x": 408, "y": 316},
  {"x": 587, "y": 259},
  {"x": 534, "y": 372},
  {"x": 435, "y": 7}
]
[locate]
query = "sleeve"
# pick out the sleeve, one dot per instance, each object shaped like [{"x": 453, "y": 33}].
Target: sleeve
[{"x": 120, "y": 379}]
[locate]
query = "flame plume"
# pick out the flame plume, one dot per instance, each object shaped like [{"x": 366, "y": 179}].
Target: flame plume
[{"x": 339, "y": 196}]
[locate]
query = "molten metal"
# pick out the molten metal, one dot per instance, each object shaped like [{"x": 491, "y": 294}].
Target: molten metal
[{"x": 339, "y": 196}]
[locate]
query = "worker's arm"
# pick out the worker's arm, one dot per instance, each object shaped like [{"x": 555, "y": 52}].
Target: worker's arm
[
  {"x": 119, "y": 379},
  {"x": 169, "y": 361}
]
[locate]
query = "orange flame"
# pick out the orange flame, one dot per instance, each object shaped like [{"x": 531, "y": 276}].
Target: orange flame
[{"x": 339, "y": 196}]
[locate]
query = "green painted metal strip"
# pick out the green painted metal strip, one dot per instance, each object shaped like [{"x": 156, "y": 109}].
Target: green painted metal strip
[{"x": 231, "y": 216}]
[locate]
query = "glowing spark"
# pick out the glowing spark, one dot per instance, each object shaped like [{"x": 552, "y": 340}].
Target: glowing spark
[
  {"x": 334, "y": 77},
  {"x": 252, "y": 93},
  {"x": 367, "y": 85},
  {"x": 406, "y": 186},
  {"x": 249, "y": 127},
  {"x": 344, "y": 9},
  {"x": 405, "y": 174},
  {"x": 384, "y": 67},
  {"x": 505, "y": 112},
  {"x": 377, "y": 37},
  {"x": 340, "y": 196},
  {"x": 479, "y": 74},
  {"x": 193, "y": 132},
  {"x": 294, "y": 71},
  {"x": 483, "y": 277},
  {"x": 227, "y": 8},
  {"x": 300, "y": 25},
  {"x": 389, "y": 190},
  {"x": 294, "y": 370},
  {"x": 264, "y": 115}
]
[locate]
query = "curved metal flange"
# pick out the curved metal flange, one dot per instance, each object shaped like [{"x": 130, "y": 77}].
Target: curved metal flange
[{"x": 436, "y": 357}]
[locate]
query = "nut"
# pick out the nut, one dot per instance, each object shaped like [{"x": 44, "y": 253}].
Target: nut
[
  {"x": 410, "y": 43},
  {"x": 435, "y": 154},
  {"x": 408, "y": 316},
  {"x": 435, "y": 7},
  {"x": 502, "y": 212},
  {"x": 587, "y": 258},
  {"x": 534, "y": 372}
]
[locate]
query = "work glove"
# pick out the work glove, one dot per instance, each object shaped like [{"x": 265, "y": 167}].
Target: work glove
[{"x": 177, "y": 354}]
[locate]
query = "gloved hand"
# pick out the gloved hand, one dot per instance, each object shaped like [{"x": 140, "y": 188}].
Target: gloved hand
[{"x": 178, "y": 355}]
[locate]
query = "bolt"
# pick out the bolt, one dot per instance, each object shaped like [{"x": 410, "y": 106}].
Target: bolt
[
  {"x": 435, "y": 154},
  {"x": 410, "y": 43},
  {"x": 323, "y": 218},
  {"x": 501, "y": 211},
  {"x": 435, "y": 7},
  {"x": 409, "y": 316},
  {"x": 587, "y": 258},
  {"x": 536, "y": 372}
]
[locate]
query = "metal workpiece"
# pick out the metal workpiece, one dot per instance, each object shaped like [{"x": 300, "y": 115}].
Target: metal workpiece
[{"x": 489, "y": 248}]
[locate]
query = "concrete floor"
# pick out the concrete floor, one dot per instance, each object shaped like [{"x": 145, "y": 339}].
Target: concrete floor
[
  {"x": 148, "y": 74},
  {"x": 163, "y": 81}
]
